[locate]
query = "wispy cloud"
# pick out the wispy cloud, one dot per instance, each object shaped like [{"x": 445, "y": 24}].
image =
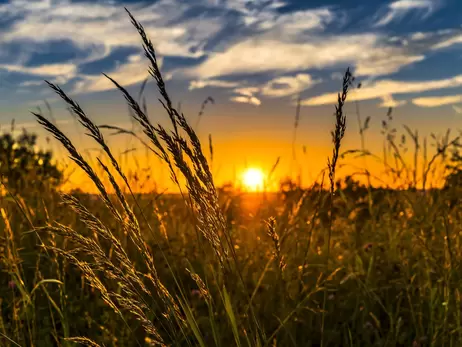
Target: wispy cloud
[
  {"x": 386, "y": 88},
  {"x": 135, "y": 71},
  {"x": 288, "y": 85},
  {"x": 31, "y": 83},
  {"x": 448, "y": 42},
  {"x": 63, "y": 70},
  {"x": 435, "y": 101},
  {"x": 277, "y": 87},
  {"x": 246, "y": 100},
  {"x": 263, "y": 15},
  {"x": 247, "y": 95},
  {"x": 389, "y": 101},
  {"x": 369, "y": 52},
  {"x": 199, "y": 84},
  {"x": 247, "y": 91},
  {"x": 398, "y": 9}
]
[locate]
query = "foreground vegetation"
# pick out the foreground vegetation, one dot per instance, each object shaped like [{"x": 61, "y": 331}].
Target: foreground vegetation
[{"x": 339, "y": 264}]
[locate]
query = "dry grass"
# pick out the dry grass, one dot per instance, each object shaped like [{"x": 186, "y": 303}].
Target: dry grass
[{"x": 347, "y": 266}]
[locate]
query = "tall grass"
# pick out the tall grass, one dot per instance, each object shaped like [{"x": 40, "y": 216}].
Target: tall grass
[{"x": 351, "y": 265}]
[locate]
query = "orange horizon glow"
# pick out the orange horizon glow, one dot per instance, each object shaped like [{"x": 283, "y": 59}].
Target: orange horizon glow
[
  {"x": 231, "y": 160},
  {"x": 156, "y": 177}
]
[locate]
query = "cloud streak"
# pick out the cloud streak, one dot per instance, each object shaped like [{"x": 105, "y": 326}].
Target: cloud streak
[
  {"x": 288, "y": 85},
  {"x": 135, "y": 71},
  {"x": 247, "y": 95},
  {"x": 435, "y": 101},
  {"x": 398, "y": 9},
  {"x": 388, "y": 101},
  {"x": 199, "y": 84},
  {"x": 243, "y": 99},
  {"x": 383, "y": 89},
  {"x": 368, "y": 52}
]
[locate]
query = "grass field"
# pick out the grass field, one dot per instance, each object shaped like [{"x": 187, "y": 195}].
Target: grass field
[{"x": 344, "y": 264}]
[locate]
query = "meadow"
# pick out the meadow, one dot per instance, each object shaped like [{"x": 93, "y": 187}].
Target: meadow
[{"x": 341, "y": 263}]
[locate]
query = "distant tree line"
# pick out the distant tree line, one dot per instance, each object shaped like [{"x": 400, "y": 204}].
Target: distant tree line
[{"x": 25, "y": 167}]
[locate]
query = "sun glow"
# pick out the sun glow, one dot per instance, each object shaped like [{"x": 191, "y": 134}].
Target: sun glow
[{"x": 253, "y": 179}]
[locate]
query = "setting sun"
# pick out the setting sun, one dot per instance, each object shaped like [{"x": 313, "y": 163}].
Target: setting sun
[{"x": 253, "y": 179}]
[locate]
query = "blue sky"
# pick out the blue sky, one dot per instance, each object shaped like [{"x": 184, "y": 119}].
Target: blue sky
[
  {"x": 247, "y": 51},
  {"x": 253, "y": 57}
]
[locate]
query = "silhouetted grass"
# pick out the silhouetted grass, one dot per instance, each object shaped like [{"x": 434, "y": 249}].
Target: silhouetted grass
[{"x": 351, "y": 265}]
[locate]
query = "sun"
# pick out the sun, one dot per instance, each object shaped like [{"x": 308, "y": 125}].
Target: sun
[{"x": 253, "y": 179}]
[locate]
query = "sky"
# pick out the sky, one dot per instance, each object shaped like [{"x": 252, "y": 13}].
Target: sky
[{"x": 254, "y": 58}]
